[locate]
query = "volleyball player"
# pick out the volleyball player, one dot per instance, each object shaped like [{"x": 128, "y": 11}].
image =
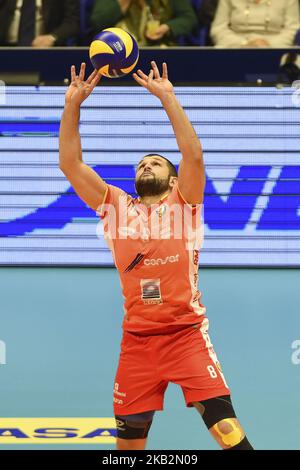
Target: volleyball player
[{"x": 155, "y": 241}]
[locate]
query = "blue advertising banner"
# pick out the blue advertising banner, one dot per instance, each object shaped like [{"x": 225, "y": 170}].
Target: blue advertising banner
[{"x": 251, "y": 143}]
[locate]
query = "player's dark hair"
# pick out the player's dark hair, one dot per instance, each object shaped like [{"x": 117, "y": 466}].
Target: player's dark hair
[{"x": 172, "y": 168}]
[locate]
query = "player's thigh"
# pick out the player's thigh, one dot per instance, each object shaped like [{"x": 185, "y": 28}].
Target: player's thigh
[
  {"x": 138, "y": 387},
  {"x": 199, "y": 373}
]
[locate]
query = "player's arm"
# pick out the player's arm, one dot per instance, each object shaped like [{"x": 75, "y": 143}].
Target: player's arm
[
  {"x": 191, "y": 175},
  {"x": 88, "y": 185}
]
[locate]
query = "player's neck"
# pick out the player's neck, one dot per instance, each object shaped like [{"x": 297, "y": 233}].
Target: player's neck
[{"x": 149, "y": 200}]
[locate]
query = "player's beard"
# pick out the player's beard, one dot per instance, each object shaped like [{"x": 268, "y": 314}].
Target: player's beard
[{"x": 151, "y": 186}]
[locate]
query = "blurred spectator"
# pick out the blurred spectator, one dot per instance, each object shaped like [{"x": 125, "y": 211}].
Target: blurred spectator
[
  {"x": 151, "y": 22},
  {"x": 206, "y": 15},
  {"x": 207, "y": 12},
  {"x": 38, "y": 23},
  {"x": 255, "y": 23}
]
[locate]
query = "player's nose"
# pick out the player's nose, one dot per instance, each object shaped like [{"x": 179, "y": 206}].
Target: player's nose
[{"x": 147, "y": 167}]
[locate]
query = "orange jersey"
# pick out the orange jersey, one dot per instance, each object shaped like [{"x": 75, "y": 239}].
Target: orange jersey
[{"x": 155, "y": 250}]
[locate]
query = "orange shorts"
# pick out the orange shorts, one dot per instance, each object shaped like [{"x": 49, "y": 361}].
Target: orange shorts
[{"x": 148, "y": 363}]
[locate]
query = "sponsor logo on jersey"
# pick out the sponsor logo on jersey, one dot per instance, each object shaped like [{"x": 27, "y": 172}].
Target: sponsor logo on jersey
[
  {"x": 159, "y": 261},
  {"x": 134, "y": 262},
  {"x": 151, "y": 291}
]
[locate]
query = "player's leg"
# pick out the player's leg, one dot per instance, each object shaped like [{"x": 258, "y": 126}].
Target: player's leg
[
  {"x": 219, "y": 417},
  {"x": 201, "y": 378},
  {"x": 132, "y": 430},
  {"x": 138, "y": 391}
]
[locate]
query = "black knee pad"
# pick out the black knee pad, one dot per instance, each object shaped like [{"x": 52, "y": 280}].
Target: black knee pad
[
  {"x": 215, "y": 409},
  {"x": 134, "y": 426}
]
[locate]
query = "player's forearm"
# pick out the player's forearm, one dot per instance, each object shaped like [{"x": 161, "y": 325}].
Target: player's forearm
[
  {"x": 187, "y": 139},
  {"x": 69, "y": 138}
]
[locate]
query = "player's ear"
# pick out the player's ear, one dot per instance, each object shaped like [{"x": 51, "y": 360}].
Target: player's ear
[{"x": 173, "y": 181}]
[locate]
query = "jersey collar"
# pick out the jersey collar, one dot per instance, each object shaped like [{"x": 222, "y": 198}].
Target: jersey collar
[{"x": 138, "y": 200}]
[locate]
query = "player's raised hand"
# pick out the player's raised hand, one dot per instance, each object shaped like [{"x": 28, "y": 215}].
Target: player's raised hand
[
  {"x": 79, "y": 88},
  {"x": 158, "y": 85}
]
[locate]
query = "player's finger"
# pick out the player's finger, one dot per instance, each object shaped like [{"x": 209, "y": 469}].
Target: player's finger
[
  {"x": 73, "y": 73},
  {"x": 139, "y": 80},
  {"x": 92, "y": 76},
  {"x": 96, "y": 79},
  {"x": 155, "y": 69},
  {"x": 165, "y": 71},
  {"x": 82, "y": 71},
  {"x": 150, "y": 77},
  {"x": 142, "y": 74}
]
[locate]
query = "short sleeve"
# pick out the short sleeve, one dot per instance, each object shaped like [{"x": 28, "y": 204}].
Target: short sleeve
[
  {"x": 193, "y": 218},
  {"x": 176, "y": 197},
  {"x": 113, "y": 197}
]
